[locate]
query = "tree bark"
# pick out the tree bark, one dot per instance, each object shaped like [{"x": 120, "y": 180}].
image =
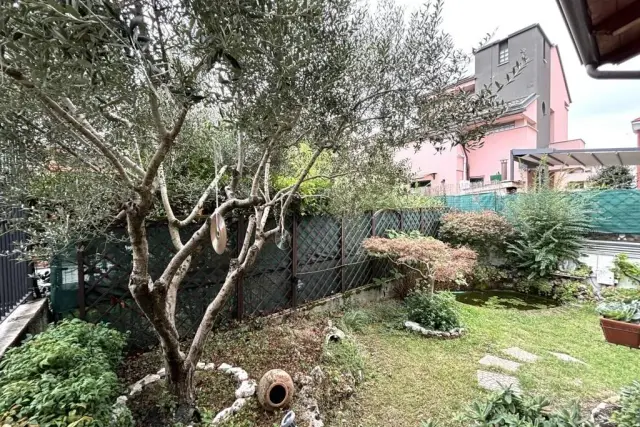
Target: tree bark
[{"x": 181, "y": 386}]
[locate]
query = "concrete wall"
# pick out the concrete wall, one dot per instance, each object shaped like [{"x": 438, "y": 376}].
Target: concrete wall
[
  {"x": 535, "y": 77},
  {"x": 429, "y": 164},
  {"x": 559, "y": 100},
  {"x": 486, "y": 161}
]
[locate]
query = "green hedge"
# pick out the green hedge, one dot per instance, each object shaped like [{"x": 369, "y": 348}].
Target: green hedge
[{"x": 64, "y": 376}]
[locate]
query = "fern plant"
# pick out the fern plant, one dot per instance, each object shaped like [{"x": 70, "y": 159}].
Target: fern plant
[{"x": 550, "y": 227}]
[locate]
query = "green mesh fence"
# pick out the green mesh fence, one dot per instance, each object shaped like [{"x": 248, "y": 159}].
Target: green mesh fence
[
  {"x": 325, "y": 257},
  {"x": 615, "y": 211}
]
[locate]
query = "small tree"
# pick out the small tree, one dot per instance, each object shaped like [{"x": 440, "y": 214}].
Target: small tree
[
  {"x": 433, "y": 260},
  {"x": 104, "y": 104},
  {"x": 615, "y": 177}
]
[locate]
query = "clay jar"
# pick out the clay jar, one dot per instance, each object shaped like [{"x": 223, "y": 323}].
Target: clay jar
[{"x": 275, "y": 390}]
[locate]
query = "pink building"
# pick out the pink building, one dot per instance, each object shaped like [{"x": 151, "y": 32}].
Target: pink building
[{"x": 537, "y": 116}]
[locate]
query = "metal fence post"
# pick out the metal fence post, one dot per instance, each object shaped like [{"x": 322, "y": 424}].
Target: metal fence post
[
  {"x": 343, "y": 283},
  {"x": 240, "y": 281},
  {"x": 373, "y": 224},
  {"x": 81, "y": 300},
  {"x": 294, "y": 261}
]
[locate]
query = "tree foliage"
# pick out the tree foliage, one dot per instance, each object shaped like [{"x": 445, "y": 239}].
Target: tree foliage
[
  {"x": 613, "y": 177},
  {"x": 122, "y": 111}
]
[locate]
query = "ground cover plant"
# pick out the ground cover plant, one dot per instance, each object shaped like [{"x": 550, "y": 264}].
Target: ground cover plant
[{"x": 63, "y": 376}]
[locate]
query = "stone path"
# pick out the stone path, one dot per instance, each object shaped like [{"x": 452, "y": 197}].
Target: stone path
[
  {"x": 567, "y": 358},
  {"x": 507, "y": 365},
  {"x": 493, "y": 381},
  {"x": 521, "y": 355}
]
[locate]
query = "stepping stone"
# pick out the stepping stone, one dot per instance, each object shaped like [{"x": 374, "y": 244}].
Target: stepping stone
[
  {"x": 508, "y": 365},
  {"x": 521, "y": 355},
  {"x": 493, "y": 381},
  {"x": 567, "y": 358}
]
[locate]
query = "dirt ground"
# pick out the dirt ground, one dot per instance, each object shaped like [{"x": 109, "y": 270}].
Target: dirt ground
[{"x": 294, "y": 345}]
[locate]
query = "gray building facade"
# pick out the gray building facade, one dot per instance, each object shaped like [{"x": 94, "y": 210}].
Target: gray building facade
[{"x": 496, "y": 59}]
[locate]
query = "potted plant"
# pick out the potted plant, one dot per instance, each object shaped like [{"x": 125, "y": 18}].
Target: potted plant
[{"x": 620, "y": 322}]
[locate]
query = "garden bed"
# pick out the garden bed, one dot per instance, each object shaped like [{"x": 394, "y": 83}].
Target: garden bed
[{"x": 296, "y": 345}]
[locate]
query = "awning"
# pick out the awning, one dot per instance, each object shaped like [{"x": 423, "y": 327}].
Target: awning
[
  {"x": 604, "y": 32},
  {"x": 532, "y": 158}
]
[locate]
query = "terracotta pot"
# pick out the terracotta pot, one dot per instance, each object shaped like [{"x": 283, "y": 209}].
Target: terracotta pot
[
  {"x": 621, "y": 333},
  {"x": 275, "y": 390}
]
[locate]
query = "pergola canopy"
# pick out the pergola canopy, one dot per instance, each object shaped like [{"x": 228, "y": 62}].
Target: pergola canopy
[{"x": 532, "y": 158}]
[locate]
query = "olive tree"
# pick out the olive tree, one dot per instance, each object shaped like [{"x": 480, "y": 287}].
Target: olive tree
[{"x": 104, "y": 104}]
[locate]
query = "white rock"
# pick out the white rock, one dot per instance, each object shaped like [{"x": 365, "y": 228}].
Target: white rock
[
  {"x": 414, "y": 326},
  {"x": 210, "y": 367},
  {"x": 509, "y": 365},
  {"x": 247, "y": 389},
  {"x": 239, "y": 374},
  {"x": 317, "y": 374},
  {"x": 135, "y": 389},
  {"x": 162, "y": 372},
  {"x": 521, "y": 355},
  {"x": 200, "y": 366},
  {"x": 238, "y": 404},
  {"x": 122, "y": 400},
  {"x": 150, "y": 379},
  {"x": 224, "y": 367},
  {"x": 221, "y": 416}
]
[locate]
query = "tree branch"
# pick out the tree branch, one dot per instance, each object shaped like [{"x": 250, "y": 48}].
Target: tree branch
[
  {"x": 166, "y": 142},
  {"x": 203, "y": 198}
]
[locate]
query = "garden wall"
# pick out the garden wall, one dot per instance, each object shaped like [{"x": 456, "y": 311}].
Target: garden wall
[{"x": 324, "y": 258}]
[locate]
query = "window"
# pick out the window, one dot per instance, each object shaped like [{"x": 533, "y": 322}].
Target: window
[
  {"x": 503, "y": 52},
  {"x": 544, "y": 109},
  {"x": 425, "y": 183},
  {"x": 476, "y": 179},
  {"x": 503, "y": 169}
]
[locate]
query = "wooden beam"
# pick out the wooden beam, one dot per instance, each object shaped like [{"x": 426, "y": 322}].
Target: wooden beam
[{"x": 620, "y": 20}]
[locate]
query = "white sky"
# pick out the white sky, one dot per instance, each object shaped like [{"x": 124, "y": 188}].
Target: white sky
[{"x": 601, "y": 111}]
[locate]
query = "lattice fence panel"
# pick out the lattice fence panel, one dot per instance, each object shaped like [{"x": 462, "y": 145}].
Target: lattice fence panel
[{"x": 318, "y": 257}]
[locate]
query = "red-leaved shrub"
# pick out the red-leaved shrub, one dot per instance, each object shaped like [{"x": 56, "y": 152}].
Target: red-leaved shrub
[
  {"x": 444, "y": 264},
  {"x": 479, "y": 230}
]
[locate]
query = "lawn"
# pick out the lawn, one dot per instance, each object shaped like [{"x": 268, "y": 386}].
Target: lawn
[{"x": 411, "y": 378}]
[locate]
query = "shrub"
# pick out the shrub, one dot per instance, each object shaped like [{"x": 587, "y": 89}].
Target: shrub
[
  {"x": 485, "y": 276},
  {"x": 570, "y": 291},
  {"x": 479, "y": 230},
  {"x": 549, "y": 228},
  {"x": 433, "y": 311},
  {"x": 629, "y": 413},
  {"x": 62, "y": 376},
  {"x": 622, "y": 267},
  {"x": 507, "y": 408},
  {"x": 432, "y": 258},
  {"x": 620, "y": 294}
]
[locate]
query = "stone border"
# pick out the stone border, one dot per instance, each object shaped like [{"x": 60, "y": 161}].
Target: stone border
[
  {"x": 246, "y": 388},
  {"x": 453, "y": 333}
]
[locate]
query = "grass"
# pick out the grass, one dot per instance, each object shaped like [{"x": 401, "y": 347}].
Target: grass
[{"x": 411, "y": 378}]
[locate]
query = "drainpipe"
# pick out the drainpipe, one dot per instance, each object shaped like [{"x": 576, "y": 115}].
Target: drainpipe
[{"x": 612, "y": 74}]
